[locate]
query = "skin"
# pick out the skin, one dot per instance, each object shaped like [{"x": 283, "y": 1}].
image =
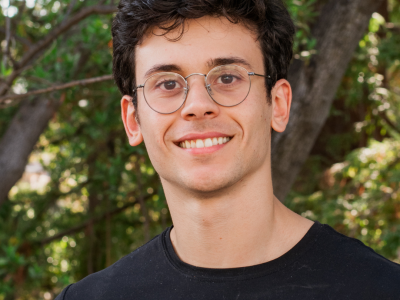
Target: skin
[{"x": 222, "y": 205}]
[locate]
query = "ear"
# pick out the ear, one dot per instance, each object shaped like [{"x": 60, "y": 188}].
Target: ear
[
  {"x": 131, "y": 124},
  {"x": 281, "y": 102}
]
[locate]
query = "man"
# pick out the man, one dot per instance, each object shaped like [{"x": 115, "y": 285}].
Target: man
[{"x": 204, "y": 84}]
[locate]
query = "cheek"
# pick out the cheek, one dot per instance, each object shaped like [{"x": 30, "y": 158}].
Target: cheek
[
  {"x": 153, "y": 135},
  {"x": 154, "y": 127},
  {"x": 260, "y": 133},
  {"x": 256, "y": 114},
  {"x": 256, "y": 128}
]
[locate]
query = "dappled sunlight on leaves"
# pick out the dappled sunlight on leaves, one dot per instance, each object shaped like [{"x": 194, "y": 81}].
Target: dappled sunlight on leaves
[{"x": 362, "y": 198}]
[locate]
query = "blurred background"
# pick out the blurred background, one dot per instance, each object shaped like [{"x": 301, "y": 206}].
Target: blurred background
[{"x": 75, "y": 197}]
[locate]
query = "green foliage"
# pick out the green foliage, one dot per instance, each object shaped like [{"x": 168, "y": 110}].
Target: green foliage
[
  {"x": 351, "y": 179},
  {"x": 360, "y": 197},
  {"x": 303, "y": 13},
  {"x": 93, "y": 184},
  {"x": 97, "y": 199}
]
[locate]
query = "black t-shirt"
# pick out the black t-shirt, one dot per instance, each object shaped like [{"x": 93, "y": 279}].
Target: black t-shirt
[{"x": 324, "y": 264}]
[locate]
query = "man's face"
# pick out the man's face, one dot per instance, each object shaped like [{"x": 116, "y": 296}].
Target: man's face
[{"x": 208, "y": 169}]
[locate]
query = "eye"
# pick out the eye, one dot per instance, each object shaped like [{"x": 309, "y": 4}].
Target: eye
[
  {"x": 169, "y": 85},
  {"x": 227, "y": 79}
]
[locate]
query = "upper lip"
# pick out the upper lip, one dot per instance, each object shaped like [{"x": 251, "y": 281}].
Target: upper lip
[{"x": 201, "y": 136}]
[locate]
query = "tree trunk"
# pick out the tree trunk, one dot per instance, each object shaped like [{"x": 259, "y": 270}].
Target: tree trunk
[
  {"x": 340, "y": 26},
  {"x": 21, "y": 136},
  {"x": 32, "y": 117}
]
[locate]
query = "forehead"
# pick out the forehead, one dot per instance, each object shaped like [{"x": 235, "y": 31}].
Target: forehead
[{"x": 203, "y": 40}]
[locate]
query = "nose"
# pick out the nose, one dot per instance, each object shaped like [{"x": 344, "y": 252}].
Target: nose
[{"x": 198, "y": 104}]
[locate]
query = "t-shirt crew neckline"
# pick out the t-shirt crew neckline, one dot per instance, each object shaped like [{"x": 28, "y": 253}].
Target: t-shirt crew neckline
[{"x": 259, "y": 270}]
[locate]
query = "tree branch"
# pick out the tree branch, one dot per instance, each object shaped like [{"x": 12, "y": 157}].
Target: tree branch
[
  {"x": 81, "y": 226},
  {"x": 70, "y": 8},
  {"x": 7, "y": 54},
  {"x": 22, "y": 40},
  {"x": 57, "y": 87},
  {"x": 20, "y": 137},
  {"x": 30, "y": 55},
  {"x": 383, "y": 115},
  {"x": 340, "y": 26},
  {"x": 7, "y": 40}
]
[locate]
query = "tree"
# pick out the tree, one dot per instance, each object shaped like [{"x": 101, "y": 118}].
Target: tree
[
  {"x": 32, "y": 118},
  {"x": 351, "y": 178},
  {"x": 314, "y": 86},
  {"x": 103, "y": 198},
  {"x": 340, "y": 26}
]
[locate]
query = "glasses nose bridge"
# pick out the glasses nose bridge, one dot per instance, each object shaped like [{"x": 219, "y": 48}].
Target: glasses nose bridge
[
  {"x": 190, "y": 75},
  {"x": 201, "y": 74}
]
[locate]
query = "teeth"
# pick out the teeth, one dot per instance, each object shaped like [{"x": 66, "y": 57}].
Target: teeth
[
  {"x": 199, "y": 144},
  {"x": 204, "y": 143}
]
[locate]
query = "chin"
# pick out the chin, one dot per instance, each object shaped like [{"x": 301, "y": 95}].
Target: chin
[{"x": 209, "y": 184}]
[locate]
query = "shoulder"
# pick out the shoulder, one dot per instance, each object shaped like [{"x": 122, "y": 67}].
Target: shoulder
[
  {"x": 352, "y": 250},
  {"x": 357, "y": 264},
  {"x": 125, "y": 272}
]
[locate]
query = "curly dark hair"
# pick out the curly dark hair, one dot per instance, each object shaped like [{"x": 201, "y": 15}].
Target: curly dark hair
[{"x": 269, "y": 19}]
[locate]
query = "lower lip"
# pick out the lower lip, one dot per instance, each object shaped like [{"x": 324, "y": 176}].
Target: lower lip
[{"x": 205, "y": 150}]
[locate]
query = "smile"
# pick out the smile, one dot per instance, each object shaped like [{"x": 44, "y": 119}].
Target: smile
[{"x": 204, "y": 143}]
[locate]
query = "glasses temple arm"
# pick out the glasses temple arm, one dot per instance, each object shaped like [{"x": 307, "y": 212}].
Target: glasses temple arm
[
  {"x": 138, "y": 87},
  {"x": 252, "y": 74}
]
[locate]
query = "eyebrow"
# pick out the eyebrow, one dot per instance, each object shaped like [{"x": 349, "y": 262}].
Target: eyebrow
[
  {"x": 219, "y": 61},
  {"x": 163, "y": 68},
  {"x": 212, "y": 63}
]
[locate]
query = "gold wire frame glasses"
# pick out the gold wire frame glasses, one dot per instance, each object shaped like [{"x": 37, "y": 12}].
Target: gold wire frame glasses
[{"x": 227, "y": 85}]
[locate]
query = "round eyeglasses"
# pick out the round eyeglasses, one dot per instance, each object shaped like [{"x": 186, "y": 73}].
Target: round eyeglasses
[{"x": 227, "y": 85}]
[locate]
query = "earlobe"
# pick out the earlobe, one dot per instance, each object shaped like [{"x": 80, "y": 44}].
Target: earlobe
[
  {"x": 281, "y": 102},
  {"x": 132, "y": 127}
]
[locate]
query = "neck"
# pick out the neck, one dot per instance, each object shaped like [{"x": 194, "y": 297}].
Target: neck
[{"x": 243, "y": 226}]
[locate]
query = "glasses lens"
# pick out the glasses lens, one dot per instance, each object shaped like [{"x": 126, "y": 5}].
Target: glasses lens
[
  {"x": 228, "y": 85},
  {"x": 165, "y": 92}
]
